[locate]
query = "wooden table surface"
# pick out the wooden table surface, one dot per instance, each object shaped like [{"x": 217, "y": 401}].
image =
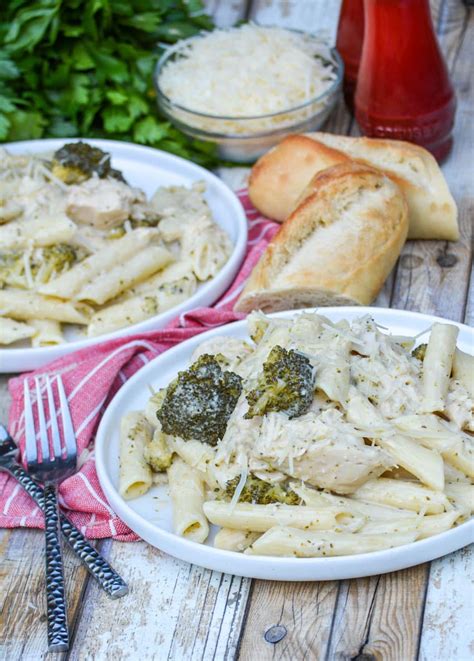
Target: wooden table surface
[{"x": 182, "y": 612}]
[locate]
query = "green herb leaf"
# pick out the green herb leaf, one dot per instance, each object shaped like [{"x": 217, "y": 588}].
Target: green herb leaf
[
  {"x": 85, "y": 67},
  {"x": 4, "y": 126},
  {"x": 149, "y": 131},
  {"x": 26, "y": 125}
]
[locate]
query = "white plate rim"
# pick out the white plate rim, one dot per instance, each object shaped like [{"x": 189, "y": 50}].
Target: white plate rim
[
  {"x": 270, "y": 567},
  {"x": 26, "y": 358}
]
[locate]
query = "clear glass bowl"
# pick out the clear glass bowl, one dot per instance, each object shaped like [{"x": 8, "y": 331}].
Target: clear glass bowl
[{"x": 244, "y": 139}]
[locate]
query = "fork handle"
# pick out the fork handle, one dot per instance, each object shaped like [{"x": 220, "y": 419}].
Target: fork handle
[
  {"x": 58, "y": 632},
  {"x": 105, "y": 575}
]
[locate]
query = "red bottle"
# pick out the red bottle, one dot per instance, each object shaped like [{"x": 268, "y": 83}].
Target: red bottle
[
  {"x": 350, "y": 35},
  {"x": 403, "y": 88}
]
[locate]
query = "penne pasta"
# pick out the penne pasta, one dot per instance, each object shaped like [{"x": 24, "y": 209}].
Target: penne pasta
[
  {"x": 369, "y": 510},
  {"x": 234, "y": 540},
  {"x": 118, "y": 252},
  {"x": 286, "y": 541},
  {"x": 430, "y": 431},
  {"x": 25, "y": 305},
  {"x": 13, "y": 331},
  {"x": 39, "y": 232},
  {"x": 425, "y": 526},
  {"x": 333, "y": 375},
  {"x": 436, "y": 524},
  {"x": 122, "y": 276},
  {"x": 402, "y": 494},
  {"x": 259, "y": 518},
  {"x": 195, "y": 453},
  {"x": 138, "y": 308},
  {"x": 461, "y": 496},
  {"x": 454, "y": 476},
  {"x": 424, "y": 464},
  {"x": 187, "y": 496},
  {"x": 173, "y": 272},
  {"x": 437, "y": 366},
  {"x": 463, "y": 370},
  {"x": 317, "y": 449},
  {"x": 47, "y": 333},
  {"x": 69, "y": 238},
  {"x": 135, "y": 474},
  {"x": 152, "y": 406}
]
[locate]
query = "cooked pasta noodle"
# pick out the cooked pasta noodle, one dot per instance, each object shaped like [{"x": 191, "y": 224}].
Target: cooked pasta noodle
[
  {"x": 67, "y": 239},
  {"x": 348, "y": 462}
]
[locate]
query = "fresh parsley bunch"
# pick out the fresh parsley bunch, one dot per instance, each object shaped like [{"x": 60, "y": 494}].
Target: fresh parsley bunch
[{"x": 84, "y": 68}]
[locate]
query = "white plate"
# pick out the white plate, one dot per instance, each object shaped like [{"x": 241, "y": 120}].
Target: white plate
[
  {"x": 147, "y": 169},
  {"x": 150, "y": 515}
]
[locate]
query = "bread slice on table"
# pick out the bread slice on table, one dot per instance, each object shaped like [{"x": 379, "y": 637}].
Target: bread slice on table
[
  {"x": 336, "y": 248},
  {"x": 279, "y": 177}
]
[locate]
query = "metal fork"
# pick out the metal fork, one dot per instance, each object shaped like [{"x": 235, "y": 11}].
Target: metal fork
[
  {"x": 99, "y": 568},
  {"x": 53, "y": 466}
]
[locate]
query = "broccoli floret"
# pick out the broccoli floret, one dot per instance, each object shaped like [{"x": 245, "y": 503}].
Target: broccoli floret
[
  {"x": 57, "y": 259},
  {"x": 44, "y": 262},
  {"x": 199, "y": 402},
  {"x": 78, "y": 161},
  {"x": 157, "y": 453},
  {"x": 12, "y": 269},
  {"x": 260, "y": 492},
  {"x": 419, "y": 352},
  {"x": 285, "y": 385}
]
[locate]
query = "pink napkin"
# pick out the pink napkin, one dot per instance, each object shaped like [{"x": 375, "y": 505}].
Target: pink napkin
[{"x": 91, "y": 378}]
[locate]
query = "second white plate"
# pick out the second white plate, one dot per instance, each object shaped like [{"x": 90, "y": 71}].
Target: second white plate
[
  {"x": 147, "y": 169},
  {"x": 150, "y": 516}
]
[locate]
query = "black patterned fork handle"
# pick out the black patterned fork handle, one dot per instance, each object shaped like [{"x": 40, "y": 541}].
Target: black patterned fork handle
[
  {"x": 58, "y": 631},
  {"x": 106, "y": 576}
]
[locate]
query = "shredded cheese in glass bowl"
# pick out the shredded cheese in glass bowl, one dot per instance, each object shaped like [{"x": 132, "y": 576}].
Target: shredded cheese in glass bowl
[{"x": 246, "y": 88}]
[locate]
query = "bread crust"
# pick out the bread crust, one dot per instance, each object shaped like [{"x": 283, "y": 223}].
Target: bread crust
[
  {"x": 279, "y": 178},
  {"x": 336, "y": 248}
]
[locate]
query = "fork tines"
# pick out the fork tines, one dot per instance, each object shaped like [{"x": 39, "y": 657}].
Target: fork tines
[{"x": 67, "y": 427}]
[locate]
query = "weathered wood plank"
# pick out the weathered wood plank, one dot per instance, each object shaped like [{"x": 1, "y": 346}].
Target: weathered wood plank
[
  {"x": 226, "y": 12},
  {"x": 447, "y": 632},
  {"x": 181, "y": 612},
  {"x": 449, "y": 602},
  {"x": 174, "y": 610},
  {"x": 434, "y": 276},
  {"x": 296, "y": 607},
  {"x": 22, "y": 595},
  {"x": 304, "y": 609},
  {"x": 311, "y": 15},
  {"x": 379, "y": 617},
  {"x": 235, "y": 178},
  {"x": 23, "y": 632},
  {"x": 361, "y": 625},
  {"x": 4, "y": 399},
  {"x": 469, "y": 312}
]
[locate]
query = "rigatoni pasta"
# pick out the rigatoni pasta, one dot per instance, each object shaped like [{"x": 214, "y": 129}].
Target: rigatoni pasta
[{"x": 312, "y": 439}]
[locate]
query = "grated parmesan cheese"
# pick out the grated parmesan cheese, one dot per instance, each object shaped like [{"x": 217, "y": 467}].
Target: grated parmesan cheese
[{"x": 247, "y": 72}]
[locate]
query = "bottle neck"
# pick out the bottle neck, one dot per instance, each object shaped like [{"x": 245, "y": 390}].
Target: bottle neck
[{"x": 406, "y": 21}]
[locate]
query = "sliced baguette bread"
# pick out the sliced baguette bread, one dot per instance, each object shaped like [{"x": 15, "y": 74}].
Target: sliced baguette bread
[
  {"x": 279, "y": 177},
  {"x": 336, "y": 248}
]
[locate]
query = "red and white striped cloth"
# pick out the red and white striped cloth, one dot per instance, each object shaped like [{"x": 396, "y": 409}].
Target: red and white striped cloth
[{"x": 91, "y": 378}]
